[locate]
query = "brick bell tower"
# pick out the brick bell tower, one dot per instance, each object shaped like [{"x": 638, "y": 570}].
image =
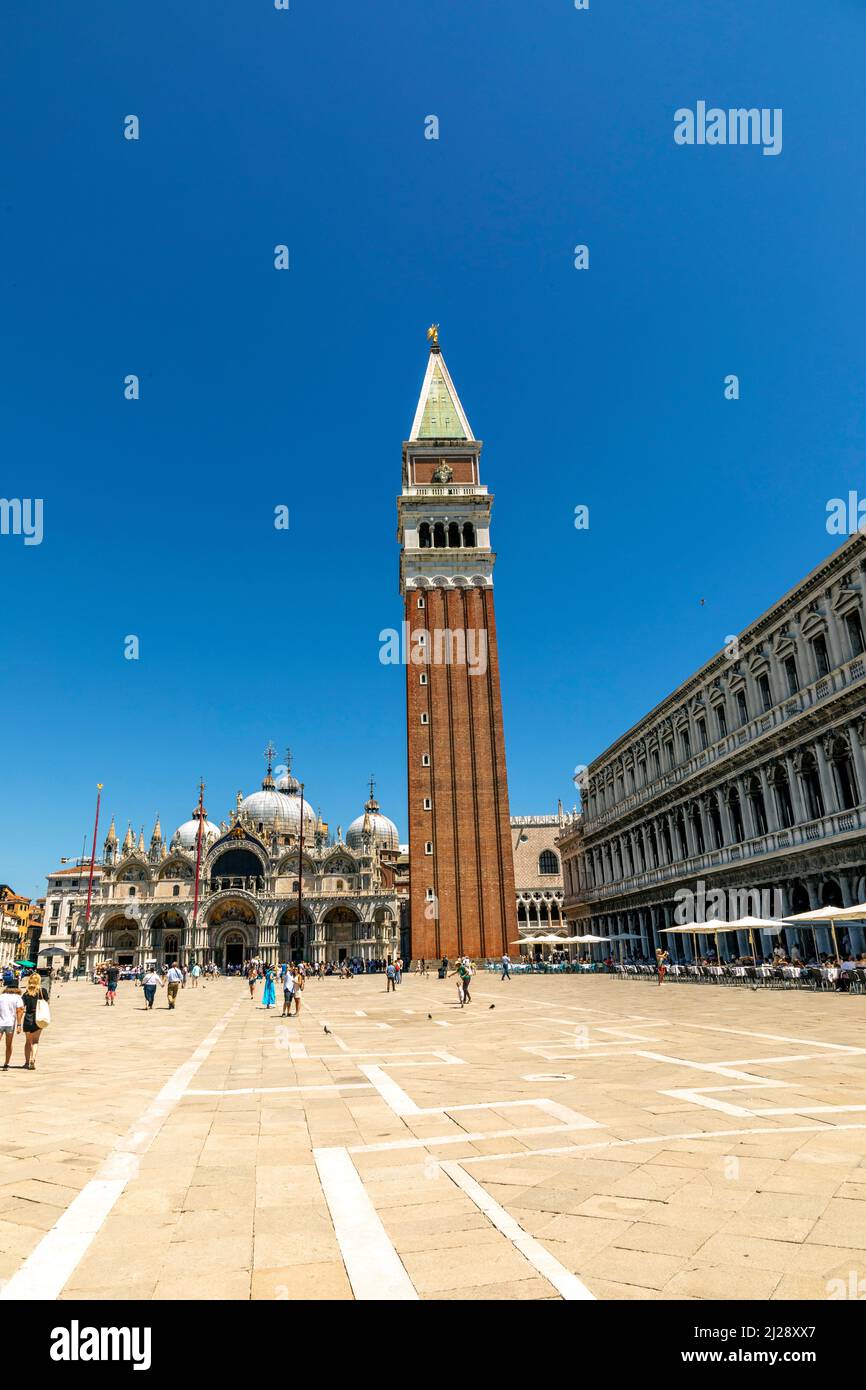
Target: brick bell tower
[{"x": 462, "y": 897}]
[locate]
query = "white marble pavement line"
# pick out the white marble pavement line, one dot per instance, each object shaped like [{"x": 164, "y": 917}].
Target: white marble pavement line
[
  {"x": 565, "y": 1283},
  {"x": 347, "y": 1185},
  {"x": 660, "y": 1139},
  {"x": 49, "y": 1265},
  {"x": 375, "y": 1270}
]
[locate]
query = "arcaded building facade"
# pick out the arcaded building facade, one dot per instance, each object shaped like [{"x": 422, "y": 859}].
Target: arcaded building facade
[{"x": 749, "y": 779}]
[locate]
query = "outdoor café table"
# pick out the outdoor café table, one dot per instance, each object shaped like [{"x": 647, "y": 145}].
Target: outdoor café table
[
  {"x": 675, "y": 969},
  {"x": 765, "y": 970},
  {"x": 716, "y": 970},
  {"x": 739, "y": 971},
  {"x": 792, "y": 972},
  {"x": 830, "y": 972}
]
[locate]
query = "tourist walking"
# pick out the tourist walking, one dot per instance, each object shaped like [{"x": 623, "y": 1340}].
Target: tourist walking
[
  {"x": 175, "y": 980},
  {"x": 35, "y": 1019},
  {"x": 663, "y": 960},
  {"x": 269, "y": 998},
  {"x": 391, "y": 973},
  {"x": 506, "y": 967},
  {"x": 288, "y": 992},
  {"x": 252, "y": 976},
  {"x": 299, "y": 987},
  {"x": 466, "y": 968},
  {"x": 112, "y": 975},
  {"x": 458, "y": 971},
  {"x": 398, "y": 966},
  {"x": 150, "y": 984},
  {"x": 195, "y": 972},
  {"x": 11, "y": 1017}
]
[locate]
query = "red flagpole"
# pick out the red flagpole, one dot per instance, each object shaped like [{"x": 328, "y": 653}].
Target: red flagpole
[
  {"x": 301, "y": 872},
  {"x": 83, "y": 947},
  {"x": 198, "y": 853}
]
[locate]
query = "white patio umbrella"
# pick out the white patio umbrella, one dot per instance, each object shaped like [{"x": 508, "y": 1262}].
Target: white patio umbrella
[
  {"x": 832, "y": 915},
  {"x": 751, "y": 925}
]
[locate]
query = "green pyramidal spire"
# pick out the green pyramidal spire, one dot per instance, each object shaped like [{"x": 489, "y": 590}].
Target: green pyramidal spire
[{"x": 440, "y": 414}]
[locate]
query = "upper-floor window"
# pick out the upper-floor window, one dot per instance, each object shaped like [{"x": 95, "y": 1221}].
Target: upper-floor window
[
  {"x": 657, "y": 767},
  {"x": 722, "y": 721},
  {"x": 669, "y": 752},
  {"x": 424, "y": 535},
  {"x": 742, "y": 707},
  {"x": 822, "y": 660},
  {"x": 855, "y": 631},
  {"x": 765, "y": 692},
  {"x": 55, "y": 909},
  {"x": 791, "y": 675},
  {"x": 175, "y": 892},
  {"x": 548, "y": 862},
  {"x": 702, "y": 732},
  {"x": 687, "y": 744}
]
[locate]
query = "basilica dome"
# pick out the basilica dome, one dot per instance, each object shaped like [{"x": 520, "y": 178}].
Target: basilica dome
[
  {"x": 279, "y": 811},
  {"x": 186, "y": 835},
  {"x": 383, "y": 830}
]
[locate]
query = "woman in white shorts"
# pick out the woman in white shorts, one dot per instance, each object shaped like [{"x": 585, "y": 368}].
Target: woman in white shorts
[{"x": 11, "y": 1018}]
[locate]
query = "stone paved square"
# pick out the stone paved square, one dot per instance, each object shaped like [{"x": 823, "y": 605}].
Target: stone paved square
[{"x": 586, "y": 1138}]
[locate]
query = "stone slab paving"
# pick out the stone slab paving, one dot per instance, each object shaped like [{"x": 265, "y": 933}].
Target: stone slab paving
[{"x": 584, "y": 1138}]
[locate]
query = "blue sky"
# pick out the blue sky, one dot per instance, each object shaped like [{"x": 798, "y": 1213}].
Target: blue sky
[{"x": 260, "y": 388}]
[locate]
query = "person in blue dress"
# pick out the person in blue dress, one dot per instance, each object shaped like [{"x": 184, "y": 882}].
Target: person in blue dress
[{"x": 269, "y": 998}]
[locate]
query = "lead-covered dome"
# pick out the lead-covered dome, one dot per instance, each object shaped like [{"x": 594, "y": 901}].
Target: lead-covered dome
[
  {"x": 383, "y": 831},
  {"x": 186, "y": 835},
  {"x": 271, "y": 810}
]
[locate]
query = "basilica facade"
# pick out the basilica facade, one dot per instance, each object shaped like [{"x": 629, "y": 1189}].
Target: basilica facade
[{"x": 272, "y": 883}]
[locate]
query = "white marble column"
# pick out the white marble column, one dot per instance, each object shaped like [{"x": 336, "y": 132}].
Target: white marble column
[
  {"x": 835, "y": 642},
  {"x": 770, "y": 809},
  {"x": 798, "y": 800},
  {"x": 828, "y": 781},
  {"x": 747, "y": 810},
  {"x": 728, "y": 834},
  {"x": 859, "y": 760}
]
